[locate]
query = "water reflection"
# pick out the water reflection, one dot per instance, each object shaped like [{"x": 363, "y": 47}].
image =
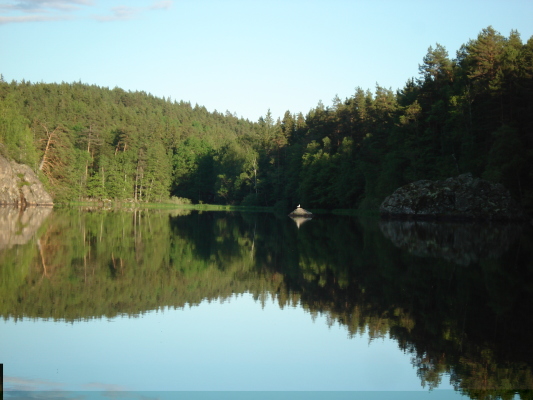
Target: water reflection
[
  {"x": 19, "y": 226},
  {"x": 299, "y": 221},
  {"x": 461, "y": 243},
  {"x": 472, "y": 324}
]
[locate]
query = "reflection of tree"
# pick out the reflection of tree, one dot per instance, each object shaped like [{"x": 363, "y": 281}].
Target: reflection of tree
[
  {"x": 482, "y": 377},
  {"x": 102, "y": 263},
  {"x": 440, "y": 313},
  {"x": 470, "y": 323}
]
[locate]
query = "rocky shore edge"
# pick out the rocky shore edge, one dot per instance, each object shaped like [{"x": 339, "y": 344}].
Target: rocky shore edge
[
  {"x": 20, "y": 186},
  {"x": 461, "y": 198}
]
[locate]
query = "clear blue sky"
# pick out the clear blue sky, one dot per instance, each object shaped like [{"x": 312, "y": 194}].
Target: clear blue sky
[{"x": 241, "y": 55}]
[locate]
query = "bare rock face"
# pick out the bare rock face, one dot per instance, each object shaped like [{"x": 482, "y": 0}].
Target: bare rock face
[
  {"x": 300, "y": 212},
  {"x": 460, "y": 198},
  {"x": 19, "y": 186}
]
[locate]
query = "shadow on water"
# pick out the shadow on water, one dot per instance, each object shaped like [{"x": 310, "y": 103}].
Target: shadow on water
[
  {"x": 457, "y": 297},
  {"x": 461, "y": 243}
]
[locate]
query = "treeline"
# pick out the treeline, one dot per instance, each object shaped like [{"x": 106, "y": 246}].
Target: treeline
[
  {"x": 472, "y": 113},
  {"x": 93, "y": 142}
]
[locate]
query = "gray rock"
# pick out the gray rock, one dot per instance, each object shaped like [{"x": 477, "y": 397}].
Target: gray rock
[
  {"x": 460, "y": 198},
  {"x": 19, "y": 186},
  {"x": 300, "y": 212}
]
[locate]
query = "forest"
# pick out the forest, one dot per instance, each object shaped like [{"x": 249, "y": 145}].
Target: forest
[{"x": 472, "y": 113}]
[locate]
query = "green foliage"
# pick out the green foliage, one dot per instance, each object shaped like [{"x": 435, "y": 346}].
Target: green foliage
[
  {"x": 179, "y": 200},
  {"x": 237, "y": 167},
  {"x": 193, "y": 170},
  {"x": 506, "y": 159},
  {"x": 16, "y": 140},
  {"x": 467, "y": 114}
]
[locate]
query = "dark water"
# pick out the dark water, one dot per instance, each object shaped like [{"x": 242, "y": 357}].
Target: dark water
[{"x": 253, "y": 301}]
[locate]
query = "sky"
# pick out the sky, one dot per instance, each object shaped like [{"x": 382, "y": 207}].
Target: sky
[{"x": 241, "y": 56}]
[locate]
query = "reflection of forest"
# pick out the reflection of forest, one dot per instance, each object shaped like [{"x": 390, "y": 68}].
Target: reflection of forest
[{"x": 472, "y": 323}]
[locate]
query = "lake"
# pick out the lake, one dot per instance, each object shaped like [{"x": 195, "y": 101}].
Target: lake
[{"x": 202, "y": 305}]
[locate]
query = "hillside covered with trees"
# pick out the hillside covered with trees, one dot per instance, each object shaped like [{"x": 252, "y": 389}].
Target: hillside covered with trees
[{"x": 472, "y": 113}]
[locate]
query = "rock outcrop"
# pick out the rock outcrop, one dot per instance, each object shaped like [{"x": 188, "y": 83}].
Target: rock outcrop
[
  {"x": 300, "y": 215},
  {"x": 461, "y": 198},
  {"x": 19, "y": 186},
  {"x": 300, "y": 212}
]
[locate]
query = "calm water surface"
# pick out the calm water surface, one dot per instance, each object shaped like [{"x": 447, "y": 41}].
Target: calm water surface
[{"x": 107, "y": 302}]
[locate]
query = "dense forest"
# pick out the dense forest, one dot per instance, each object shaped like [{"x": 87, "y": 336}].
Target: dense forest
[{"x": 472, "y": 113}]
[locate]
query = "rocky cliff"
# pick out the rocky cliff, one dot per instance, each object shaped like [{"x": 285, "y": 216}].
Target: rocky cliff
[
  {"x": 460, "y": 198},
  {"x": 20, "y": 186}
]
